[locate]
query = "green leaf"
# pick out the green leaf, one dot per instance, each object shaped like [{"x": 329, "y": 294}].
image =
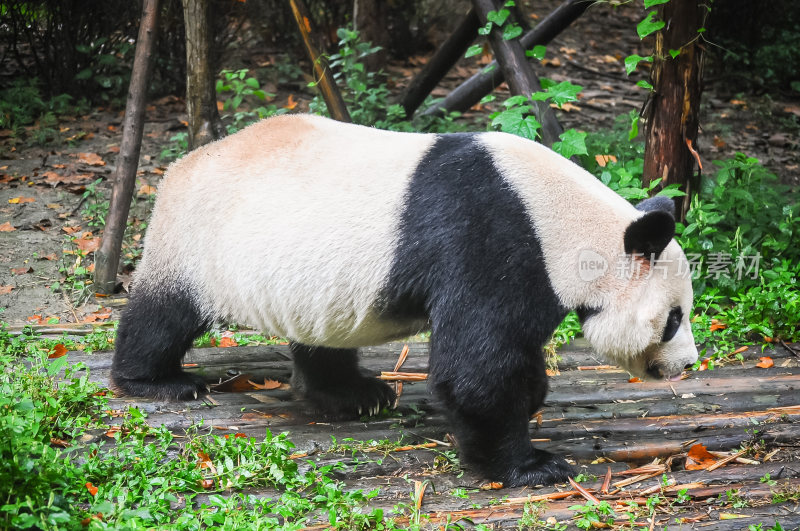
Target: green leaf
[
  {"x": 488, "y": 98},
  {"x": 251, "y": 82},
  {"x": 560, "y": 93},
  {"x": 485, "y": 29},
  {"x": 634, "y": 132},
  {"x": 572, "y": 143},
  {"x": 473, "y": 50},
  {"x": 675, "y": 53},
  {"x": 644, "y": 84},
  {"x": 537, "y": 52},
  {"x": 512, "y": 31},
  {"x": 648, "y": 25},
  {"x": 498, "y": 17},
  {"x": 515, "y": 121},
  {"x": 633, "y": 60},
  {"x": 650, "y": 3}
]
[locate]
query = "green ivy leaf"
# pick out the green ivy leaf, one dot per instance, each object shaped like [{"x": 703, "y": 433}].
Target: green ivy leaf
[
  {"x": 485, "y": 30},
  {"x": 675, "y": 53},
  {"x": 512, "y": 31},
  {"x": 650, "y": 3},
  {"x": 560, "y": 93},
  {"x": 473, "y": 50},
  {"x": 537, "y": 52},
  {"x": 572, "y": 143},
  {"x": 648, "y": 25},
  {"x": 515, "y": 121},
  {"x": 644, "y": 84},
  {"x": 633, "y": 60},
  {"x": 498, "y": 17}
]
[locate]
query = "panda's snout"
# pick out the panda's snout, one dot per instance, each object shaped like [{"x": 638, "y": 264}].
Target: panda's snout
[{"x": 658, "y": 372}]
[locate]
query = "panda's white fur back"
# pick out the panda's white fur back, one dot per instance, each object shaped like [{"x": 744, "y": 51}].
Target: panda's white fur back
[{"x": 317, "y": 204}]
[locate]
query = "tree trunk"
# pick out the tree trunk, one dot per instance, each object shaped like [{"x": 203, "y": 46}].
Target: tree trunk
[
  {"x": 107, "y": 256},
  {"x": 476, "y": 87},
  {"x": 518, "y": 72},
  {"x": 201, "y": 97},
  {"x": 672, "y": 117},
  {"x": 325, "y": 82},
  {"x": 370, "y": 20}
]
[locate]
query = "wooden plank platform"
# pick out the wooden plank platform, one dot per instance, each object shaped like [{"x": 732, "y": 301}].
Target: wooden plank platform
[{"x": 593, "y": 415}]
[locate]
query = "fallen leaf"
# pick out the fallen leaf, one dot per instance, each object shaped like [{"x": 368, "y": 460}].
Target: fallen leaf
[
  {"x": 703, "y": 365},
  {"x": 59, "y": 442},
  {"x": 717, "y": 325},
  {"x": 699, "y": 458},
  {"x": 237, "y": 384},
  {"x": 21, "y": 270},
  {"x": 92, "y": 159},
  {"x": 5, "y": 290},
  {"x": 58, "y": 351},
  {"x": 634, "y": 380},
  {"x": 71, "y": 230},
  {"x": 88, "y": 245},
  {"x": 20, "y": 200},
  {"x": 267, "y": 385},
  {"x": 765, "y": 363},
  {"x": 207, "y": 483},
  {"x": 226, "y": 342},
  {"x": 236, "y": 436},
  {"x": 146, "y": 189},
  {"x": 100, "y": 314},
  {"x": 91, "y": 488},
  {"x": 603, "y": 160},
  {"x": 291, "y": 103},
  {"x": 7, "y": 227},
  {"x": 494, "y": 485},
  {"x": 51, "y": 257}
]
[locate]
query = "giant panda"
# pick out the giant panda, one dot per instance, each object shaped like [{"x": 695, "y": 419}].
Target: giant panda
[{"x": 338, "y": 236}]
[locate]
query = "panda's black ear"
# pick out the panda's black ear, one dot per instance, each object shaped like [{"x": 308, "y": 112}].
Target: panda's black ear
[
  {"x": 658, "y": 203},
  {"x": 650, "y": 234}
]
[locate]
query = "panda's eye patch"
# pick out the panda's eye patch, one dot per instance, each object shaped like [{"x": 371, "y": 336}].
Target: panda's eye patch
[{"x": 673, "y": 323}]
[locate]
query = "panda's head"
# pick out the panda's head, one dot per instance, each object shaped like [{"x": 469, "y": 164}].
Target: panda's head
[{"x": 639, "y": 315}]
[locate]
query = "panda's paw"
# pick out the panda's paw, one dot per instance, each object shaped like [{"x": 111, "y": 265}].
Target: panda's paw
[
  {"x": 351, "y": 399},
  {"x": 181, "y": 386},
  {"x": 543, "y": 468}
]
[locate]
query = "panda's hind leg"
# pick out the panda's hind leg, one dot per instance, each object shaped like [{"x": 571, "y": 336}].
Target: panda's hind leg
[
  {"x": 331, "y": 380},
  {"x": 155, "y": 331}
]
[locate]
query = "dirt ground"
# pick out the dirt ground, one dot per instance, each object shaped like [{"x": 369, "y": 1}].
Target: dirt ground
[{"x": 42, "y": 188}]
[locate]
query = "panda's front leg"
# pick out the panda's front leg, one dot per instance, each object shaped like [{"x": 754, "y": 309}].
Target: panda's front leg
[
  {"x": 489, "y": 397},
  {"x": 332, "y": 381}
]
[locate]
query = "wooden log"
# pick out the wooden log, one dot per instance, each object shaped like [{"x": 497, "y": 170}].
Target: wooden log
[
  {"x": 479, "y": 85},
  {"x": 518, "y": 72},
  {"x": 107, "y": 256},
  {"x": 325, "y": 82},
  {"x": 442, "y": 61},
  {"x": 205, "y": 124},
  {"x": 672, "y": 113}
]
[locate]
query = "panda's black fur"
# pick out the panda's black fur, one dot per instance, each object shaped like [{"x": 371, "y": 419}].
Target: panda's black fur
[
  {"x": 485, "y": 357},
  {"x": 468, "y": 261}
]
